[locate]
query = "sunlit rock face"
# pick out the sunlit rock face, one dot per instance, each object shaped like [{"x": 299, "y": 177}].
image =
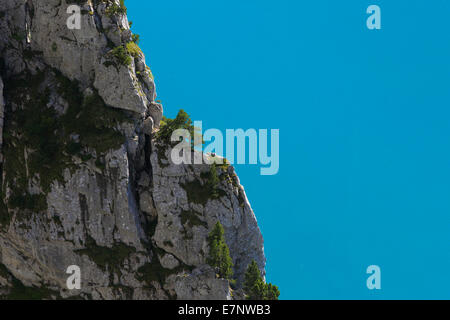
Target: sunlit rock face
[{"x": 85, "y": 181}]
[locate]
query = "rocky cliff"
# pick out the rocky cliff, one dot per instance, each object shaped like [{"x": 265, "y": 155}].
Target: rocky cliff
[{"x": 84, "y": 180}]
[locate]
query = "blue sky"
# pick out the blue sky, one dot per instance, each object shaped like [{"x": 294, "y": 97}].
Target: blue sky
[{"x": 364, "y": 130}]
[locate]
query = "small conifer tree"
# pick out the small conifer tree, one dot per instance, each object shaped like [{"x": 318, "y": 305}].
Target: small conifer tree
[
  {"x": 219, "y": 254},
  {"x": 255, "y": 287},
  {"x": 214, "y": 181}
]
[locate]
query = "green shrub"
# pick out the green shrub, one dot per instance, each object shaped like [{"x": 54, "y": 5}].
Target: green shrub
[
  {"x": 168, "y": 126},
  {"x": 272, "y": 292},
  {"x": 135, "y": 38},
  {"x": 133, "y": 49},
  {"x": 125, "y": 54},
  {"x": 122, "y": 55},
  {"x": 117, "y": 9}
]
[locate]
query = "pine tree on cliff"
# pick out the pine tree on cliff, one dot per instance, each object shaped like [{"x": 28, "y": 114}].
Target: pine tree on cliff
[
  {"x": 255, "y": 287},
  {"x": 219, "y": 254}
]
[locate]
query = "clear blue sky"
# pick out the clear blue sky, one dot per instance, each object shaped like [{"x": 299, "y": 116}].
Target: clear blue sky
[{"x": 364, "y": 119}]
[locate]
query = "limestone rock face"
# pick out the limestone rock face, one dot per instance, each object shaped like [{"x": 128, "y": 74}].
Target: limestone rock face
[
  {"x": 200, "y": 285},
  {"x": 2, "y": 115},
  {"x": 85, "y": 180},
  {"x": 83, "y": 54},
  {"x": 119, "y": 86},
  {"x": 168, "y": 261},
  {"x": 183, "y": 223}
]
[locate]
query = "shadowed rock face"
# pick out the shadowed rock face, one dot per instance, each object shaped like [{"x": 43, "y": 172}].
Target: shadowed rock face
[
  {"x": 84, "y": 182},
  {"x": 2, "y": 114}
]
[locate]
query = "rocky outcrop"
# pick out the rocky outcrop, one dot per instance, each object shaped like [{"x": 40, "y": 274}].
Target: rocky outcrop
[
  {"x": 186, "y": 212},
  {"x": 85, "y": 180},
  {"x": 85, "y": 54}
]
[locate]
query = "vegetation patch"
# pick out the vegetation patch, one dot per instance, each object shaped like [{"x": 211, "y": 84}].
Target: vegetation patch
[
  {"x": 219, "y": 258},
  {"x": 154, "y": 272},
  {"x": 5, "y": 215},
  {"x": 196, "y": 192},
  {"x": 255, "y": 287},
  {"x": 200, "y": 193},
  {"x": 114, "y": 8},
  {"x": 19, "y": 35},
  {"x": 192, "y": 219},
  {"x": 168, "y": 126},
  {"x": 133, "y": 49},
  {"x": 122, "y": 56},
  {"x": 135, "y": 37},
  {"x": 107, "y": 258},
  {"x": 219, "y": 254}
]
